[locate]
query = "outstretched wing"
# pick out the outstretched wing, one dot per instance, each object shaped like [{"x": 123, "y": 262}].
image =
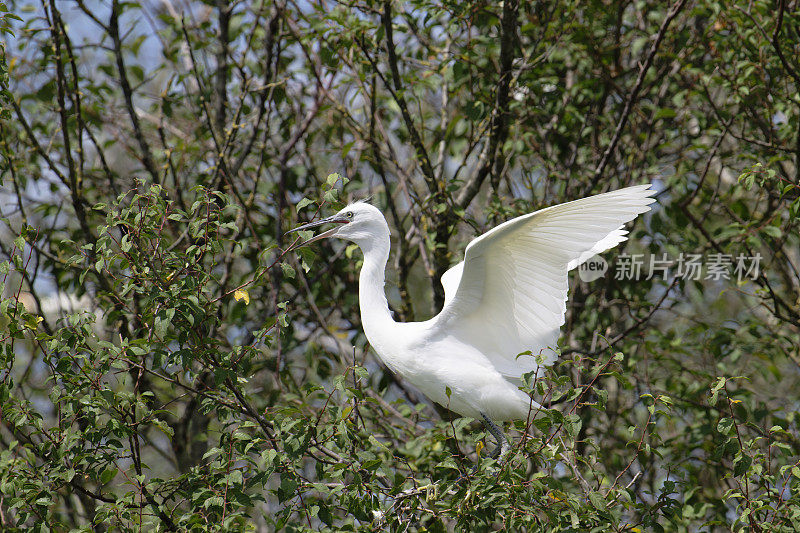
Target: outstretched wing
[{"x": 509, "y": 294}]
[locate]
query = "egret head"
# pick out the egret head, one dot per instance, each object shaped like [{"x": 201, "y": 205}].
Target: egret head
[{"x": 359, "y": 222}]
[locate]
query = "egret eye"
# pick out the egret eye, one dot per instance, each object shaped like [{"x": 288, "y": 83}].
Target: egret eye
[{"x": 349, "y": 215}]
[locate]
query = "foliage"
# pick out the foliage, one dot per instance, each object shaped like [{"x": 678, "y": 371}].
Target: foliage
[
  {"x": 168, "y": 363},
  {"x": 5, "y": 29}
]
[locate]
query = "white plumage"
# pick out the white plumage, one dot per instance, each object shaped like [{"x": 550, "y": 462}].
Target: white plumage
[{"x": 507, "y": 297}]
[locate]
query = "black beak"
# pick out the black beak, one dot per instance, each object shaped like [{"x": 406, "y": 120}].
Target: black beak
[{"x": 335, "y": 219}]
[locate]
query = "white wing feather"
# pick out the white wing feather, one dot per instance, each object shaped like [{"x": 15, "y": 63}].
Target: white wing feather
[
  {"x": 450, "y": 281},
  {"x": 509, "y": 294}
]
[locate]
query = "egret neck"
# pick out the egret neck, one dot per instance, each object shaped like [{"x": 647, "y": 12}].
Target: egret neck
[{"x": 375, "y": 315}]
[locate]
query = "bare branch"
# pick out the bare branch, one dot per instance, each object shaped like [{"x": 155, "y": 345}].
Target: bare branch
[{"x": 634, "y": 94}]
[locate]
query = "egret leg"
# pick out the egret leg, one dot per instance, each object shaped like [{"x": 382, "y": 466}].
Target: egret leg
[{"x": 503, "y": 444}]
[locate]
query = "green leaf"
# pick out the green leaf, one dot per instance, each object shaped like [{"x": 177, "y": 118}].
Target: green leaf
[
  {"x": 597, "y": 500},
  {"x": 107, "y": 475},
  {"x": 741, "y": 465},
  {"x": 331, "y": 196},
  {"x": 160, "y": 326},
  {"x": 665, "y": 113},
  {"x": 288, "y": 271},
  {"x": 287, "y": 488},
  {"x": 303, "y": 203}
]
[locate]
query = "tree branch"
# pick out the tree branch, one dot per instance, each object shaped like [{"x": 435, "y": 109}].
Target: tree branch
[
  {"x": 397, "y": 94},
  {"x": 127, "y": 92},
  {"x": 499, "y": 128},
  {"x": 632, "y": 97}
]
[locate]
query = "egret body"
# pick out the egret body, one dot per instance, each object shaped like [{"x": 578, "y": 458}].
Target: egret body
[{"x": 506, "y": 298}]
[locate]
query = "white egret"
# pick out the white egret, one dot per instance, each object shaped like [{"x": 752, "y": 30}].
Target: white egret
[{"x": 507, "y": 296}]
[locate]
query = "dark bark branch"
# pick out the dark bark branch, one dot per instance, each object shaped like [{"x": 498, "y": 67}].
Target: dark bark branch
[
  {"x": 436, "y": 187},
  {"x": 127, "y": 92},
  {"x": 223, "y": 68},
  {"x": 792, "y": 316},
  {"x": 221, "y": 174},
  {"x": 271, "y": 58},
  {"x": 397, "y": 93},
  {"x": 508, "y": 42},
  {"x": 37, "y": 146},
  {"x": 499, "y": 129},
  {"x": 793, "y": 73},
  {"x": 634, "y": 95},
  {"x": 61, "y": 82},
  {"x": 75, "y": 94},
  {"x": 776, "y": 44},
  {"x": 74, "y": 184}
]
